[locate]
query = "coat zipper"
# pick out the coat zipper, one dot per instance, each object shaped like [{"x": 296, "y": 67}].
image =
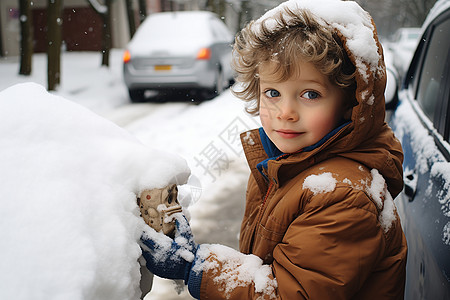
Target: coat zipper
[
  {"x": 264, "y": 202},
  {"x": 260, "y": 215}
]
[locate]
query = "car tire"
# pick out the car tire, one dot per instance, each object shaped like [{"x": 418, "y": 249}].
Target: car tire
[
  {"x": 219, "y": 86},
  {"x": 136, "y": 95}
]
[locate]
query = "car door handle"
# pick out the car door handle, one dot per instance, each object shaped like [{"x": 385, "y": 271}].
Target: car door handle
[{"x": 410, "y": 179}]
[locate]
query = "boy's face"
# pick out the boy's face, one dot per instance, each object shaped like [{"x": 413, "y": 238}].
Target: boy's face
[{"x": 299, "y": 112}]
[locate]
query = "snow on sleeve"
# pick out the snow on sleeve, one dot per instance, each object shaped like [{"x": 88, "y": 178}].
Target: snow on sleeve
[
  {"x": 383, "y": 199},
  {"x": 322, "y": 183},
  {"x": 234, "y": 269},
  {"x": 69, "y": 222},
  {"x": 345, "y": 16}
]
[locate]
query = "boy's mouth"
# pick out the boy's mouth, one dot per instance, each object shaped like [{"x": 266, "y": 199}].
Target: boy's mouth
[{"x": 288, "y": 134}]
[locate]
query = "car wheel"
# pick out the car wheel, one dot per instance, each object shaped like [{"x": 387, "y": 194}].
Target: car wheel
[
  {"x": 219, "y": 86},
  {"x": 136, "y": 95}
]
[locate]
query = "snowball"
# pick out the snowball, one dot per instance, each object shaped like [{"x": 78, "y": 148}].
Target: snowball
[
  {"x": 69, "y": 222},
  {"x": 322, "y": 183}
]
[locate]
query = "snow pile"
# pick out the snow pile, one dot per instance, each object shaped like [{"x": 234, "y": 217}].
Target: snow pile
[
  {"x": 69, "y": 223},
  {"x": 83, "y": 80},
  {"x": 322, "y": 183},
  {"x": 236, "y": 269},
  {"x": 345, "y": 16}
]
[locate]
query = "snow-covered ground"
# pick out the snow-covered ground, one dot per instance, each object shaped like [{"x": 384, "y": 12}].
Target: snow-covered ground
[{"x": 205, "y": 135}]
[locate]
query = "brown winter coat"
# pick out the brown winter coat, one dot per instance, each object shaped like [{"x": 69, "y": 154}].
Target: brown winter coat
[{"x": 328, "y": 245}]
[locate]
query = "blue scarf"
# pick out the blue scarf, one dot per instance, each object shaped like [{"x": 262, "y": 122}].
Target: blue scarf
[{"x": 274, "y": 153}]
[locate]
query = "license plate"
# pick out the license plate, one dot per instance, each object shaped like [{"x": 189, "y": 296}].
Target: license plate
[{"x": 163, "y": 68}]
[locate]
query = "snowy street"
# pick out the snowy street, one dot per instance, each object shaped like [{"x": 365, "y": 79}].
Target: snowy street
[{"x": 206, "y": 135}]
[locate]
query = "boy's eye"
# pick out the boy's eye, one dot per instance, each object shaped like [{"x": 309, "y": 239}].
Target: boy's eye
[
  {"x": 311, "y": 95},
  {"x": 272, "y": 93}
]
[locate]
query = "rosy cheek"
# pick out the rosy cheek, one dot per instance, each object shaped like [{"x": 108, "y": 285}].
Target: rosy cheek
[
  {"x": 263, "y": 116},
  {"x": 321, "y": 123},
  {"x": 264, "y": 112}
]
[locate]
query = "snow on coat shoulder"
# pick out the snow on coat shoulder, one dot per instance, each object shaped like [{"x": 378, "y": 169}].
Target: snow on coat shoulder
[
  {"x": 69, "y": 221},
  {"x": 321, "y": 183},
  {"x": 376, "y": 188}
]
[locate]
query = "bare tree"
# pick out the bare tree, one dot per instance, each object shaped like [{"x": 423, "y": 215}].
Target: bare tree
[
  {"x": 392, "y": 14},
  {"x": 217, "y": 6},
  {"x": 245, "y": 14},
  {"x": 54, "y": 40},
  {"x": 104, "y": 10},
  {"x": 26, "y": 41},
  {"x": 414, "y": 12},
  {"x": 130, "y": 14},
  {"x": 142, "y": 10}
]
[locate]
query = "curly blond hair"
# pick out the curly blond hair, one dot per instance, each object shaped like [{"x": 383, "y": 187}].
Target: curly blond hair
[{"x": 295, "y": 36}]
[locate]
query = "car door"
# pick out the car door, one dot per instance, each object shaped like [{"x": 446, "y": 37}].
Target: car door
[{"x": 422, "y": 123}]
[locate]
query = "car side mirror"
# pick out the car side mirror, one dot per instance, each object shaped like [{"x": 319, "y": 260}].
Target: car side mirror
[{"x": 390, "y": 94}]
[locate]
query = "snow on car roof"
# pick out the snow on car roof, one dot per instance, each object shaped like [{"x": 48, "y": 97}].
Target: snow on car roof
[
  {"x": 169, "y": 25},
  {"x": 438, "y": 8},
  {"x": 173, "y": 31}
]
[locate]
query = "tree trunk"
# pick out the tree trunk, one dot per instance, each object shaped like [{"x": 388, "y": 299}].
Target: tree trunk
[
  {"x": 26, "y": 42},
  {"x": 245, "y": 14},
  {"x": 104, "y": 10},
  {"x": 221, "y": 9},
  {"x": 106, "y": 39},
  {"x": 54, "y": 23},
  {"x": 142, "y": 10},
  {"x": 217, "y": 6},
  {"x": 130, "y": 13}
]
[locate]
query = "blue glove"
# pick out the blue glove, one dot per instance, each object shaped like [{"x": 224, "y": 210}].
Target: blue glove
[{"x": 173, "y": 258}]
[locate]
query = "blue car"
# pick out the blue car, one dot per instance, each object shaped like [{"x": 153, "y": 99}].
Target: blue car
[{"x": 421, "y": 121}]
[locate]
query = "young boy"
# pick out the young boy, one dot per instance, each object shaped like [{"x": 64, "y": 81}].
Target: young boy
[{"x": 320, "y": 222}]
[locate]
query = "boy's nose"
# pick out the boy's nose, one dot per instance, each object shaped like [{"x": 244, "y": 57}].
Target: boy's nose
[{"x": 287, "y": 111}]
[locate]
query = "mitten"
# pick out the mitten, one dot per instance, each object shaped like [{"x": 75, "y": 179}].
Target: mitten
[{"x": 173, "y": 258}]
